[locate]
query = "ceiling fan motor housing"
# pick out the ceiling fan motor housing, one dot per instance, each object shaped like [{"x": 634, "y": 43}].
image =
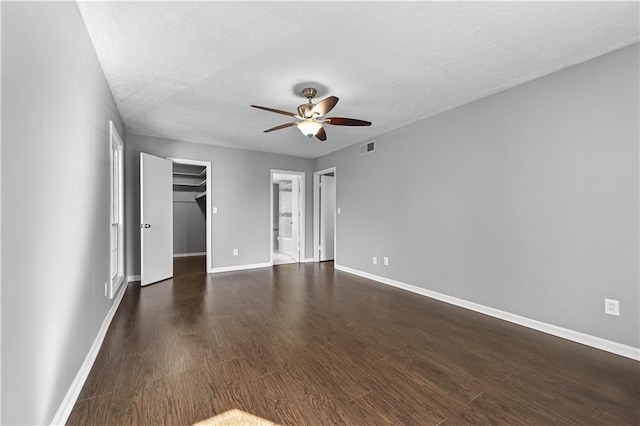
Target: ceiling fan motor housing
[{"x": 309, "y": 93}]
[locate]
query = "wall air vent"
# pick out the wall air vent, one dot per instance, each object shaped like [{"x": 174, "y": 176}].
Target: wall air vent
[{"x": 368, "y": 147}]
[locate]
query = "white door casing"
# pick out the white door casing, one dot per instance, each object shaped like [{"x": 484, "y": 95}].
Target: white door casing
[
  {"x": 289, "y": 234},
  {"x": 299, "y": 205},
  {"x": 208, "y": 202},
  {"x": 156, "y": 219}
]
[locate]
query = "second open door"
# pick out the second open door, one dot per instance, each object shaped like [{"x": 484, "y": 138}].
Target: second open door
[{"x": 327, "y": 216}]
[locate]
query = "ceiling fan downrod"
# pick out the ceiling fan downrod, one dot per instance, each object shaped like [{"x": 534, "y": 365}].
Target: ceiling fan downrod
[{"x": 304, "y": 110}]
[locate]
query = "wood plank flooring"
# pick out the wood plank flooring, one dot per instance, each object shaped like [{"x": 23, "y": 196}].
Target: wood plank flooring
[{"x": 307, "y": 345}]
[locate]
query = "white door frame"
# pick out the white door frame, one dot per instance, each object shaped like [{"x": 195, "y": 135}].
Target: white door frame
[
  {"x": 116, "y": 277},
  {"x": 316, "y": 215},
  {"x": 209, "y": 197},
  {"x": 301, "y": 175}
]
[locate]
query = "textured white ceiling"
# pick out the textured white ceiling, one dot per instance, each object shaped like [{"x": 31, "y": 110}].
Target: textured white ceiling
[{"x": 190, "y": 70}]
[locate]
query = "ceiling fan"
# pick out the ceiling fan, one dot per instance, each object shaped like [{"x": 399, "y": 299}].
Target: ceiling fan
[{"x": 311, "y": 116}]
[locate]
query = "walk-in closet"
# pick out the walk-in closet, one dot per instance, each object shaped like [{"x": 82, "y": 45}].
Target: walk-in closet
[{"x": 189, "y": 210}]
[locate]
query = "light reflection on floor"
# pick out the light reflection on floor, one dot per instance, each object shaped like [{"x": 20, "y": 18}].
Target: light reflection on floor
[{"x": 281, "y": 258}]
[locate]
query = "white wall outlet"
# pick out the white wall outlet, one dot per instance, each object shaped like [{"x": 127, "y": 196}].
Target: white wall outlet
[
  {"x": 215, "y": 210},
  {"x": 386, "y": 261},
  {"x": 235, "y": 252},
  {"x": 612, "y": 307},
  {"x": 106, "y": 289},
  {"x": 375, "y": 260},
  {"x": 339, "y": 210}
]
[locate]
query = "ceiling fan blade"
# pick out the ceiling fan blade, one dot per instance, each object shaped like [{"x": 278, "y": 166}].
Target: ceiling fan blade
[
  {"x": 282, "y": 126},
  {"x": 277, "y": 111},
  {"x": 324, "y": 106},
  {"x": 341, "y": 121},
  {"x": 322, "y": 135}
]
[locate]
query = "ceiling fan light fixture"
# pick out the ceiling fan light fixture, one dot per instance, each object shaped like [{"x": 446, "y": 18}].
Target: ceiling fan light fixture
[
  {"x": 313, "y": 116},
  {"x": 309, "y": 127}
]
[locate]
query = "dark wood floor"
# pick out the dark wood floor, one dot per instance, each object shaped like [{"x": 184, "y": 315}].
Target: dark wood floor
[{"x": 307, "y": 345}]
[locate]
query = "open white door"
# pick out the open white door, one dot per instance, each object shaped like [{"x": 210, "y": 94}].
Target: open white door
[
  {"x": 156, "y": 219},
  {"x": 327, "y": 216}
]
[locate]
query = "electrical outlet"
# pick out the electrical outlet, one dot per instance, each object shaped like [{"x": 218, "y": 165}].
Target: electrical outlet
[
  {"x": 106, "y": 289},
  {"x": 386, "y": 261},
  {"x": 612, "y": 307},
  {"x": 375, "y": 260},
  {"x": 215, "y": 210},
  {"x": 339, "y": 210},
  {"x": 235, "y": 252}
]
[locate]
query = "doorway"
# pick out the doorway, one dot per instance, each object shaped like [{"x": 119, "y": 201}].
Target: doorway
[
  {"x": 192, "y": 209},
  {"x": 324, "y": 215},
  {"x": 287, "y": 216},
  {"x": 162, "y": 182}
]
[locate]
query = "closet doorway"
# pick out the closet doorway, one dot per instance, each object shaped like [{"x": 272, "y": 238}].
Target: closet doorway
[
  {"x": 192, "y": 209},
  {"x": 287, "y": 216}
]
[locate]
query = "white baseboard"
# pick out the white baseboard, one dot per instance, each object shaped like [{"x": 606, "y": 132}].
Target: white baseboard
[
  {"x": 132, "y": 278},
  {"x": 62, "y": 415},
  {"x": 200, "y": 253},
  {"x": 307, "y": 260},
  {"x": 239, "y": 267},
  {"x": 565, "y": 333}
]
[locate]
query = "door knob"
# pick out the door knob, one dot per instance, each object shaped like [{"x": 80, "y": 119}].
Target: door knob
[{"x": 146, "y": 225}]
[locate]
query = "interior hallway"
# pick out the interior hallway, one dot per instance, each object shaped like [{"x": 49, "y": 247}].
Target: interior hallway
[{"x": 303, "y": 344}]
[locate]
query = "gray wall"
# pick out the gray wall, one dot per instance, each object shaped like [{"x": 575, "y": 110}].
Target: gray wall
[
  {"x": 189, "y": 223},
  {"x": 241, "y": 190},
  {"x": 525, "y": 201},
  {"x": 56, "y": 108}
]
